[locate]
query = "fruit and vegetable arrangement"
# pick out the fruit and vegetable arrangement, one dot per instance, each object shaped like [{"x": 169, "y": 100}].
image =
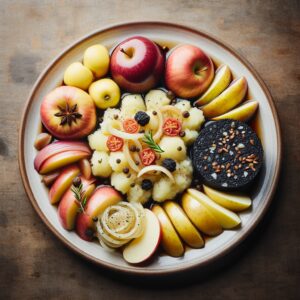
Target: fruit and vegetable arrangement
[{"x": 144, "y": 148}]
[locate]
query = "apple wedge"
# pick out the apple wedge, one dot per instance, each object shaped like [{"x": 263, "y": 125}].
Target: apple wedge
[
  {"x": 200, "y": 216},
  {"x": 58, "y": 147},
  {"x": 62, "y": 183},
  {"x": 227, "y": 100},
  {"x": 62, "y": 159},
  {"x": 143, "y": 247},
  {"x": 170, "y": 240},
  {"x": 102, "y": 197},
  {"x": 219, "y": 84},
  {"x": 183, "y": 225},
  {"x": 68, "y": 206},
  {"x": 242, "y": 113},
  {"x": 225, "y": 217},
  {"x": 232, "y": 201}
]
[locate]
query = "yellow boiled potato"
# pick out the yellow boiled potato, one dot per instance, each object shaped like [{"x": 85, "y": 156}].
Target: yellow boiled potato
[
  {"x": 121, "y": 181},
  {"x": 105, "y": 93},
  {"x": 111, "y": 114},
  {"x": 183, "y": 105},
  {"x": 137, "y": 194},
  {"x": 100, "y": 164},
  {"x": 163, "y": 190},
  {"x": 173, "y": 147},
  {"x": 78, "y": 75},
  {"x": 153, "y": 123},
  {"x": 156, "y": 98},
  {"x": 97, "y": 141},
  {"x": 96, "y": 58},
  {"x": 118, "y": 161},
  {"x": 195, "y": 119},
  {"x": 190, "y": 136},
  {"x": 131, "y": 104}
]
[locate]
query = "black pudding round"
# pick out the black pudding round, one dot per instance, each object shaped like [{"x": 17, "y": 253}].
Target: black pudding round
[{"x": 227, "y": 155}]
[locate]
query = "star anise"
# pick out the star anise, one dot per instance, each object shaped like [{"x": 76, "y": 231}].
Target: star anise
[{"x": 68, "y": 114}]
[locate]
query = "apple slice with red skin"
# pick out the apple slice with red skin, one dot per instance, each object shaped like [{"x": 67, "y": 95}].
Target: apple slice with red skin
[
  {"x": 62, "y": 159},
  {"x": 137, "y": 64},
  {"x": 142, "y": 248},
  {"x": 59, "y": 147},
  {"x": 102, "y": 197},
  {"x": 189, "y": 71},
  {"x": 62, "y": 183},
  {"x": 68, "y": 113},
  {"x": 68, "y": 206}
]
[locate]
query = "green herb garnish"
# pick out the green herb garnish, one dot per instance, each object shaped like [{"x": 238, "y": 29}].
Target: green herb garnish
[
  {"x": 148, "y": 139},
  {"x": 79, "y": 196}
]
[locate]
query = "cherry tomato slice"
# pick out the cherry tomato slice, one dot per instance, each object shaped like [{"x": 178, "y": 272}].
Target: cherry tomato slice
[
  {"x": 131, "y": 126},
  {"x": 172, "y": 127},
  {"x": 114, "y": 143},
  {"x": 147, "y": 156}
]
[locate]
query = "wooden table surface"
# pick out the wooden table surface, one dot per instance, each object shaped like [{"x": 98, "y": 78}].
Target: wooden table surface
[{"x": 33, "y": 263}]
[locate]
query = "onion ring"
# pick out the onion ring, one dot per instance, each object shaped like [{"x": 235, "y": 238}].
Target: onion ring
[{"x": 156, "y": 168}]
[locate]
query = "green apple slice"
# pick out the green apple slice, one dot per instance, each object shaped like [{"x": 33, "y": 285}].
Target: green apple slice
[
  {"x": 219, "y": 84},
  {"x": 234, "y": 202},
  {"x": 227, "y": 100},
  {"x": 243, "y": 113},
  {"x": 225, "y": 217}
]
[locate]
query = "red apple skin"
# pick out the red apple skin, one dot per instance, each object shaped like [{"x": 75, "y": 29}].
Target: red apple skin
[
  {"x": 102, "y": 197},
  {"x": 143, "y": 70},
  {"x": 68, "y": 206},
  {"x": 180, "y": 76},
  {"x": 62, "y": 159},
  {"x": 68, "y": 95},
  {"x": 148, "y": 259},
  {"x": 59, "y": 147},
  {"x": 62, "y": 183}
]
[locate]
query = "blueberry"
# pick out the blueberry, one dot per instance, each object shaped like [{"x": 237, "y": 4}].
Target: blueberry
[
  {"x": 142, "y": 118},
  {"x": 169, "y": 164},
  {"x": 147, "y": 184}
]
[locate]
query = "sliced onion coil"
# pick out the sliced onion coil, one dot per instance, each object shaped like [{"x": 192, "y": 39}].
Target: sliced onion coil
[
  {"x": 121, "y": 223},
  {"x": 156, "y": 168}
]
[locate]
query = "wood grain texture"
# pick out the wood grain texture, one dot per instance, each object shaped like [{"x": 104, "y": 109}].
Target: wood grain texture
[{"x": 33, "y": 263}]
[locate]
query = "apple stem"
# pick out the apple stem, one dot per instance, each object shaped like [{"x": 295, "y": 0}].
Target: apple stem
[
  {"x": 106, "y": 97},
  {"x": 123, "y": 51},
  {"x": 198, "y": 72}
]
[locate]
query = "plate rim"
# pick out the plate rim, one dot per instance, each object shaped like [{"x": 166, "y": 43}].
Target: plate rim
[{"x": 144, "y": 271}]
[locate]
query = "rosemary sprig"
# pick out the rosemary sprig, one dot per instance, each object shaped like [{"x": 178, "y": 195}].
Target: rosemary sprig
[
  {"x": 148, "y": 139},
  {"x": 79, "y": 196}
]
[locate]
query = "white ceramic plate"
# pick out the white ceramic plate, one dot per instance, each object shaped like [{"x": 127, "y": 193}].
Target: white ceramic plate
[{"x": 216, "y": 247}]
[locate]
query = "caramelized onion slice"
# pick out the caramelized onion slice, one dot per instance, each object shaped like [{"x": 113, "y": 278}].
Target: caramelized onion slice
[
  {"x": 159, "y": 131},
  {"x": 156, "y": 168},
  {"x": 128, "y": 157}
]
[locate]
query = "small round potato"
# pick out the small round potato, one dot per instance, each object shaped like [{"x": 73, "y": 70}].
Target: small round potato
[
  {"x": 173, "y": 147},
  {"x": 100, "y": 164}
]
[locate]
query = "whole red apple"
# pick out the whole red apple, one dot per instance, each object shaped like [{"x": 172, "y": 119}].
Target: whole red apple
[
  {"x": 137, "y": 64},
  {"x": 68, "y": 113},
  {"x": 189, "y": 71}
]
